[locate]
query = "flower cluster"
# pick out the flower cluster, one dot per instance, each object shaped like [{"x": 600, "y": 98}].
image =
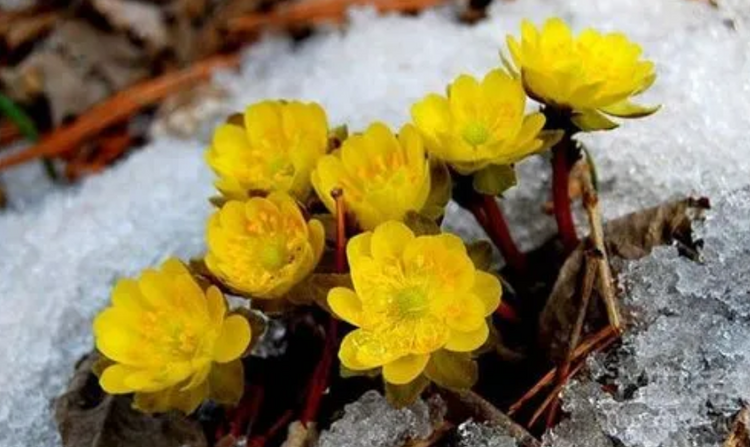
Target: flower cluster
[{"x": 420, "y": 306}]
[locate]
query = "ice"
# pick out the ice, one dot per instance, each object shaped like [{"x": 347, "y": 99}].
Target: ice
[
  {"x": 62, "y": 248},
  {"x": 372, "y": 422},
  {"x": 473, "y": 434},
  {"x": 685, "y": 370}
]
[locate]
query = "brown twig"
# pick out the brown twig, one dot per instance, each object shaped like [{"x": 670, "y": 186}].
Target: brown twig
[
  {"x": 589, "y": 276},
  {"x": 584, "y": 349},
  {"x": 9, "y": 133},
  {"x": 318, "y": 11},
  {"x": 260, "y": 441},
  {"x": 482, "y": 410},
  {"x": 606, "y": 283},
  {"x": 119, "y": 108},
  {"x": 554, "y": 394}
]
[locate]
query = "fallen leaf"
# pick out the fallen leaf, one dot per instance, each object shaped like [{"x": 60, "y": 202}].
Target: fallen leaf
[
  {"x": 629, "y": 237},
  {"x": 88, "y": 417}
]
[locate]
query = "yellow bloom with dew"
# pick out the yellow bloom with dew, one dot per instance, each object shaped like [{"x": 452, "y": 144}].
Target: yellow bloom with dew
[
  {"x": 172, "y": 344},
  {"x": 273, "y": 148},
  {"x": 413, "y": 297},
  {"x": 480, "y": 123},
  {"x": 589, "y": 73},
  {"x": 263, "y": 246},
  {"x": 382, "y": 176}
]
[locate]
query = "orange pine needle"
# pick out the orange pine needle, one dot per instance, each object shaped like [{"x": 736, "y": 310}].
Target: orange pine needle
[{"x": 117, "y": 109}]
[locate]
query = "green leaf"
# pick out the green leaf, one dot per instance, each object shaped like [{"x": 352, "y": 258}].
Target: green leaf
[
  {"x": 549, "y": 138},
  {"x": 627, "y": 109},
  {"x": 495, "y": 179},
  {"x": 591, "y": 120},
  {"x": 480, "y": 253},
  {"x": 347, "y": 373},
  {"x": 218, "y": 201},
  {"x": 420, "y": 224},
  {"x": 18, "y": 117},
  {"x": 452, "y": 370},
  {"x": 402, "y": 395},
  {"x": 337, "y": 135},
  {"x": 314, "y": 289},
  {"x": 440, "y": 189}
]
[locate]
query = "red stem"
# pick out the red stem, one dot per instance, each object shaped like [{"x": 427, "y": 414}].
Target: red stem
[
  {"x": 499, "y": 232},
  {"x": 561, "y": 195},
  {"x": 261, "y": 440}
]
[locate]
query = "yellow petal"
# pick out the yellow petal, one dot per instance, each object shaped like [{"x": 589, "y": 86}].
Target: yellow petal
[
  {"x": 113, "y": 379},
  {"x": 487, "y": 288},
  {"x": 466, "y": 314},
  {"x": 233, "y": 339},
  {"x": 215, "y": 305},
  {"x": 467, "y": 341},
  {"x": 389, "y": 240},
  {"x": 358, "y": 247},
  {"x": 432, "y": 116},
  {"x": 405, "y": 369},
  {"x": 345, "y": 304},
  {"x": 317, "y": 238}
]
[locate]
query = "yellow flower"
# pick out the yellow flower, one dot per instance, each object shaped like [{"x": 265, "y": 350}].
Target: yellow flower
[
  {"x": 588, "y": 73},
  {"x": 480, "y": 123},
  {"x": 274, "y": 149},
  {"x": 382, "y": 176},
  {"x": 172, "y": 344},
  {"x": 412, "y": 297},
  {"x": 263, "y": 246}
]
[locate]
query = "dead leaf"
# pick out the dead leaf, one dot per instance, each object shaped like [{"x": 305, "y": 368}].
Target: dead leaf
[
  {"x": 629, "y": 237},
  {"x": 300, "y": 436},
  {"x": 88, "y": 417},
  {"x": 144, "y": 20},
  {"x": 740, "y": 435}
]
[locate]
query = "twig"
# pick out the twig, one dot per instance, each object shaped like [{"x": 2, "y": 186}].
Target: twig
[
  {"x": 317, "y": 11},
  {"x": 586, "y": 346},
  {"x": 561, "y": 165},
  {"x": 606, "y": 283},
  {"x": 338, "y": 197},
  {"x": 482, "y": 410},
  {"x": 554, "y": 394},
  {"x": 260, "y": 441},
  {"x": 589, "y": 277},
  {"x": 118, "y": 108}
]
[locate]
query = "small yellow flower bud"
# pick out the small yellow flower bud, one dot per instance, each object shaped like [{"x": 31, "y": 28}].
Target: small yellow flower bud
[
  {"x": 263, "y": 246},
  {"x": 274, "y": 149},
  {"x": 382, "y": 176}
]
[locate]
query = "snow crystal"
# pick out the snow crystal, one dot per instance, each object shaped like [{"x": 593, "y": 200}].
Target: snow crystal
[
  {"x": 472, "y": 434},
  {"x": 685, "y": 370},
  {"x": 60, "y": 255},
  {"x": 372, "y": 422}
]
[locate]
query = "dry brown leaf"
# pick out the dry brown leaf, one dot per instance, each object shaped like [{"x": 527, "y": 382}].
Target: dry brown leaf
[
  {"x": 629, "y": 237},
  {"x": 740, "y": 435},
  {"x": 144, "y": 20},
  {"x": 87, "y": 417}
]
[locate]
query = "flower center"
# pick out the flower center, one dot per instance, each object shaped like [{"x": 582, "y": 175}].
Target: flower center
[
  {"x": 273, "y": 256},
  {"x": 411, "y": 301},
  {"x": 476, "y": 133}
]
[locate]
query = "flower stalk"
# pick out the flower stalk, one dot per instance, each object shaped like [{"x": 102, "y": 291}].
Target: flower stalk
[
  {"x": 561, "y": 164},
  {"x": 498, "y": 230}
]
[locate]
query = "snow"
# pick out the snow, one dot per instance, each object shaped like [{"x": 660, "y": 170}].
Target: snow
[{"x": 61, "y": 249}]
